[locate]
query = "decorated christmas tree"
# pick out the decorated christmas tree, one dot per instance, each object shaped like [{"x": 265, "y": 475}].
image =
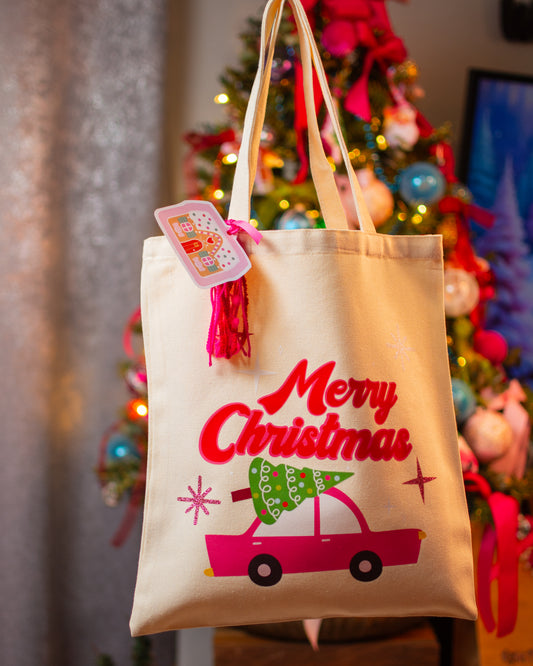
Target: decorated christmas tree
[
  {"x": 406, "y": 170},
  {"x": 278, "y": 488}
]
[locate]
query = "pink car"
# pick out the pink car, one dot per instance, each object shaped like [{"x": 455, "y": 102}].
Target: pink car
[{"x": 300, "y": 542}]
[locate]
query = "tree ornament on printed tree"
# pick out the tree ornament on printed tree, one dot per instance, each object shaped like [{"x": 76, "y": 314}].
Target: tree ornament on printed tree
[
  {"x": 464, "y": 401},
  {"x": 488, "y": 434},
  {"x": 293, "y": 219},
  {"x": 278, "y": 488},
  {"x": 421, "y": 183},
  {"x": 376, "y": 194},
  {"x": 461, "y": 292},
  {"x": 491, "y": 344},
  {"x": 122, "y": 449},
  {"x": 399, "y": 126}
]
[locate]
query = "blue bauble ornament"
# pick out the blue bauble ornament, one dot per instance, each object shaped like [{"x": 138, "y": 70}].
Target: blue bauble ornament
[
  {"x": 293, "y": 219},
  {"x": 122, "y": 449},
  {"x": 464, "y": 400},
  {"x": 421, "y": 183}
]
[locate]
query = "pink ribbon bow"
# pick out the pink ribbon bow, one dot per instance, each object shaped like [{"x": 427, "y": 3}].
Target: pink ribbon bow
[{"x": 512, "y": 463}]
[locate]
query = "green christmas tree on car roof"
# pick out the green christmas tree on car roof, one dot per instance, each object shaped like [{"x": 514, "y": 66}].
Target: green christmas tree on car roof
[{"x": 278, "y": 488}]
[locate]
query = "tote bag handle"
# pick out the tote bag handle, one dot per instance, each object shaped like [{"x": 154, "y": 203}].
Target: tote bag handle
[{"x": 332, "y": 209}]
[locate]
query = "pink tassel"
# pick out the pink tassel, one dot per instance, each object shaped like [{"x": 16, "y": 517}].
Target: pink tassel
[{"x": 228, "y": 331}]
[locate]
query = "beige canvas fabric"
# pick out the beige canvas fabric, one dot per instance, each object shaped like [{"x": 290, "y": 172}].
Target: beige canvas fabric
[{"x": 348, "y": 374}]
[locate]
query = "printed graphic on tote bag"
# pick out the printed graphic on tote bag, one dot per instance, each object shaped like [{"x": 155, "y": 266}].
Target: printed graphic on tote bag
[
  {"x": 200, "y": 238},
  {"x": 292, "y": 535}
]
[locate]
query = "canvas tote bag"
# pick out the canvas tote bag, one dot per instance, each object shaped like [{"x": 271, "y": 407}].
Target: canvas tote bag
[{"x": 320, "y": 477}]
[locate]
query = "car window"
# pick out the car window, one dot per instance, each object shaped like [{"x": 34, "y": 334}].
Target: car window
[
  {"x": 298, "y": 522},
  {"x": 336, "y": 517}
]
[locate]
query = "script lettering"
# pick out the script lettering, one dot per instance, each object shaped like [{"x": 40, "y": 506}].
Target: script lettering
[
  {"x": 381, "y": 396},
  {"x": 329, "y": 440}
]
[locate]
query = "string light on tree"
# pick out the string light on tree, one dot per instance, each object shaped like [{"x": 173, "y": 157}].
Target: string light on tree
[{"x": 221, "y": 98}]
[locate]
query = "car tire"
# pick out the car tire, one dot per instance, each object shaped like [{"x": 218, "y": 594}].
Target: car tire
[
  {"x": 264, "y": 570},
  {"x": 366, "y": 566}
]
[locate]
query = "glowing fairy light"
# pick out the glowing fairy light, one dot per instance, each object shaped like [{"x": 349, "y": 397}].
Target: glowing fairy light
[
  {"x": 230, "y": 158},
  {"x": 221, "y": 98}
]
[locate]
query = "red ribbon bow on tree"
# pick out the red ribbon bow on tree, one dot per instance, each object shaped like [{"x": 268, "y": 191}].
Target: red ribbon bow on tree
[{"x": 363, "y": 23}]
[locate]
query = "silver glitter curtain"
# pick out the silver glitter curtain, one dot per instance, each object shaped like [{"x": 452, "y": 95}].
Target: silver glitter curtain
[{"x": 81, "y": 111}]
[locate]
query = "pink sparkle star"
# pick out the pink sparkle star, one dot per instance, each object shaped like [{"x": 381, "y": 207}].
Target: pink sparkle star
[
  {"x": 420, "y": 480},
  {"x": 198, "y": 500}
]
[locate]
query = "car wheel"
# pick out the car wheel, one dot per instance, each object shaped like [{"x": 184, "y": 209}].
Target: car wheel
[
  {"x": 264, "y": 570},
  {"x": 366, "y": 566}
]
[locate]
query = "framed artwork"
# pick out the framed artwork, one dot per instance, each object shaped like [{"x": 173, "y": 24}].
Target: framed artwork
[
  {"x": 497, "y": 166},
  {"x": 498, "y": 141}
]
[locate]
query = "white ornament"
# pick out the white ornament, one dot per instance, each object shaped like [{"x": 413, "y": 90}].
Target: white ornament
[
  {"x": 461, "y": 292},
  {"x": 488, "y": 434}
]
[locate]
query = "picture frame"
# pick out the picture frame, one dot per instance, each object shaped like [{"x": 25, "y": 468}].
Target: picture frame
[{"x": 498, "y": 134}]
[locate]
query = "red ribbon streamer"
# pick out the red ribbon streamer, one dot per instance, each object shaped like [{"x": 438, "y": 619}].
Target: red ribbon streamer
[
  {"x": 456, "y": 206},
  {"x": 498, "y": 557},
  {"x": 300, "y": 118},
  {"x": 134, "y": 319},
  {"x": 425, "y": 127},
  {"x": 391, "y": 50},
  {"x": 136, "y": 497},
  {"x": 132, "y": 510}
]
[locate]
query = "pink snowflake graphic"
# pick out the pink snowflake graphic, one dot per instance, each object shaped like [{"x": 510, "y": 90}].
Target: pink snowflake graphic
[{"x": 198, "y": 500}]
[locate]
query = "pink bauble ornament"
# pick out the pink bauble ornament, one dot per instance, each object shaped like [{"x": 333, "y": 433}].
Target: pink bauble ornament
[
  {"x": 136, "y": 380},
  {"x": 461, "y": 292},
  {"x": 492, "y": 345},
  {"x": 488, "y": 434},
  {"x": 399, "y": 126},
  {"x": 469, "y": 461},
  {"x": 339, "y": 38},
  {"x": 376, "y": 194}
]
